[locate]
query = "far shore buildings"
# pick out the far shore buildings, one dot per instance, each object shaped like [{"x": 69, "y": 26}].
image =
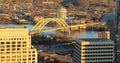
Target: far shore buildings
[
  {"x": 15, "y": 46},
  {"x": 94, "y": 51},
  {"x": 104, "y": 34}
]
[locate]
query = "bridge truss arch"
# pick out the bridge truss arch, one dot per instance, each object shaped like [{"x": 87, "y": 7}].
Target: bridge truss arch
[{"x": 41, "y": 24}]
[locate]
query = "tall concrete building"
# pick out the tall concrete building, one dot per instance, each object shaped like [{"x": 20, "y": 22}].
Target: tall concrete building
[
  {"x": 62, "y": 13},
  {"x": 94, "y": 51},
  {"x": 104, "y": 34},
  {"x": 117, "y": 31},
  {"x": 15, "y": 46},
  {"x": 117, "y": 24}
]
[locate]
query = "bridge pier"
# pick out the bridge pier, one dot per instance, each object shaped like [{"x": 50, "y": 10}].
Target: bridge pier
[
  {"x": 83, "y": 27},
  {"x": 65, "y": 30},
  {"x": 74, "y": 28}
]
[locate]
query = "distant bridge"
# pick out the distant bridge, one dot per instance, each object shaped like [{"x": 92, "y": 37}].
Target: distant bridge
[{"x": 38, "y": 28}]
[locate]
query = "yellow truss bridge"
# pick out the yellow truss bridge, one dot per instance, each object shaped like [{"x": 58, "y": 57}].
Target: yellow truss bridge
[{"x": 38, "y": 28}]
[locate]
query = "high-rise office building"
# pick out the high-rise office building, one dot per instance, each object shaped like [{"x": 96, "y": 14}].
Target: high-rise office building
[
  {"x": 94, "y": 51},
  {"x": 62, "y": 13},
  {"x": 15, "y": 46},
  {"x": 117, "y": 31},
  {"x": 104, "y": 34},
  {"x": 117, "y": 22}
]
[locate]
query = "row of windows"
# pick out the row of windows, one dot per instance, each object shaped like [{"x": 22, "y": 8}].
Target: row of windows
[
  {"x": 99, "y": 52},
  {"x": 76, "y": 61},
  {"x": 96, "y": 48},
  {"x": 77, "y": 49},
  {"x": 77, "y": 55},
  {"x": 23, "y": 45},
  {"x": 18, "y": 59},
  {"x": 98, "y": 59},
  {"x": 8, "y": 52},
  {"x": 14, "y": 38},
  {"x": 13, "y": 49},
  {"x": 97, "y": 45},
  {"x": 18, "y": 56},
  {"x": 97, "y": 55},
  {"x": 76, "y": 58},
  {"x": 78, "y": 44},
  {"x": 23, "y": 51},
  {"x": 13, "y": 61},
  {"x": 101, "y": 62},
  {"x": 19, "y": 42},
  {"x": 13, "y": 46}
]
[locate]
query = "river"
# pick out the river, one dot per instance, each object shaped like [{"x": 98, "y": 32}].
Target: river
[{"x": 73, "y": 34}]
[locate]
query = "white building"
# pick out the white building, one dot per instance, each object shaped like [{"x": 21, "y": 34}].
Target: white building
[
  {"x": 15, "y": 46},
  {"x": 47, "y": 1},
  {"x": 62, "y": 13},
  {"x": 94, "y": 51}
]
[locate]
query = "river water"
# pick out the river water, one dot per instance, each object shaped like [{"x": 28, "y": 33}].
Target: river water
[{"x": 73, "y": 34}]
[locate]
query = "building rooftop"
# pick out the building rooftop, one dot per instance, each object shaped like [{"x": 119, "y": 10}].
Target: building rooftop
[
  {"x": 5, "y": 32},
  {"x": 96, "y": 40}
]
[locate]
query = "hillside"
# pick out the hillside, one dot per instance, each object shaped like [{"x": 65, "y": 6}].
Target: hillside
[{"x": 21, "y": 8}]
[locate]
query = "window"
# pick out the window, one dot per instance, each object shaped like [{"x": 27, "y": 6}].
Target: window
[
  {"x": 29, "y": 52},
  {"x": 33, "y": 61},
  {"x": 7, "y": 42},
  {"x": 7, "y": 56},
  {"x": 13, "y": 45},
  {"x": 24, "y": 52},
  {"x": 7, "y": 52},
  {"x": 13, "y": 42},
  {"x": 24, "y": 42},
  {"x": 18, "y": 45},
  {"x": 19, "y": 42},
  {"x": 2, "y": 43},
  {"x": 33, "y": 55},
  {"x": 29, "y": 37},
  {"x": 18, "y": 48},
  {"x": 13, "y": 48},
  {"x": 29, "y": 58},
  {"x": 33, "y": 58},
  {"x": 24, "y": 59},
  {"x": 33, "y": 51},
  {"x": 2, "y": 49},
  {"x": 8, "y": 46},
  {"x": 13, "y": 59}
]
